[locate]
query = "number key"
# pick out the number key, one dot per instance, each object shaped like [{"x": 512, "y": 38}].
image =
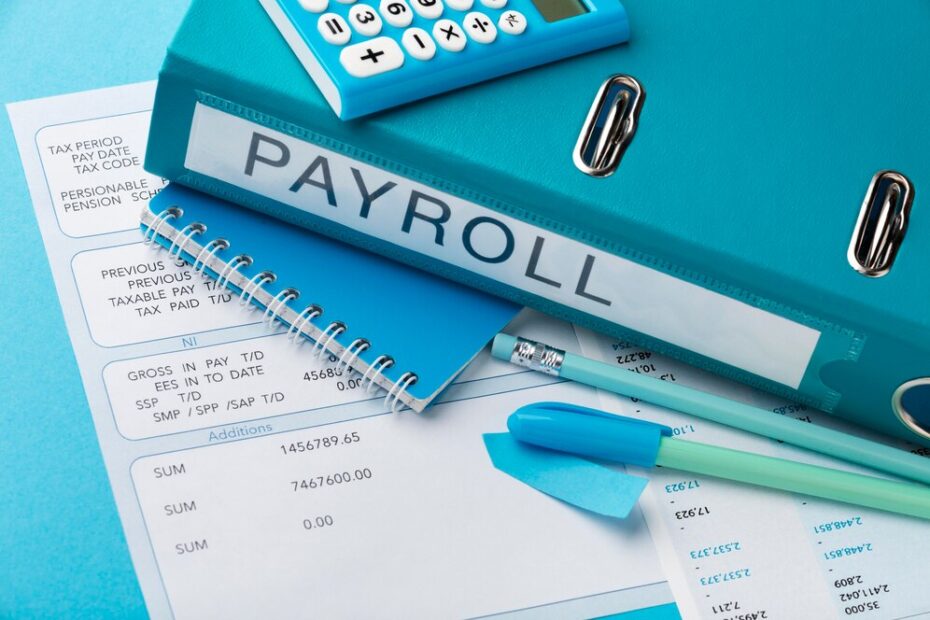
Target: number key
[
  {"x": 364, "y": 19},
  {"x": 314, "y": 6},
  {"x": 428, "y": 9},
  {"x": 396, "y": 12}
]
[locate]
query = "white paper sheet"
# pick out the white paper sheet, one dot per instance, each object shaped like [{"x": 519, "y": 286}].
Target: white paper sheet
[
  {"x": 733, "y": 551},
  {"x": 273, "y": 491}
]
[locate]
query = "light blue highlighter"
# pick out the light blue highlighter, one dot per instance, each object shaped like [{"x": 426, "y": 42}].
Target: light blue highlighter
[
  {"x": 552, "y": 361},
  {"x": 599, "y": 435},
  {"x": 370, "y": 55}
]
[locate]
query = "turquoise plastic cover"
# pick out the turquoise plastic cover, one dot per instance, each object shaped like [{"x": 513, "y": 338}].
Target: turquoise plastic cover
[{"x": 762, "y": 127}]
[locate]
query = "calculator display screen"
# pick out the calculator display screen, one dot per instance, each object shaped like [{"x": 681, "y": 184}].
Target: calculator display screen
[{"x": 554, "y": 10}]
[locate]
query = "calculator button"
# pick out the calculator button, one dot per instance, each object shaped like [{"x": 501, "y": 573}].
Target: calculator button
[
  {"x": 334, "y": 29},
  {"x": 314, "y": 6},
  {"x": 449, "y": 36},
  {"x": 460, "y": 5},
  {"x": 365, "y": 20},
  {"x": 427, "y": 9},
  {"x": 418, "y": 44},
  {"x": 396, "y": 12},
  {"x": 480, "y": 27},
  {"x": 512, "y": 22},
  {"x": 494, "y": 4},
  {"x": 372, "y": 57}
]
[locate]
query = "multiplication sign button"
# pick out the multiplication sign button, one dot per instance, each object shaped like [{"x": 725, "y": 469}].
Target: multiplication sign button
[{"x": 449, "y": 36}]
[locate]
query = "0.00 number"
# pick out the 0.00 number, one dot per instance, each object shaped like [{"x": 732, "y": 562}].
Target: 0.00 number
[{"x": 317, "y": 522}]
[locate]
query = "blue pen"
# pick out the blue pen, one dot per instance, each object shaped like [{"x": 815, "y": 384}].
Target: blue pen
[
  {"x": 552, "y": 361},
  {"x": 600, "y": 435}
]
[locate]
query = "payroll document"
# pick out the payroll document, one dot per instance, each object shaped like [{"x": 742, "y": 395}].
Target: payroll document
[{"x": 254, "y": 479}]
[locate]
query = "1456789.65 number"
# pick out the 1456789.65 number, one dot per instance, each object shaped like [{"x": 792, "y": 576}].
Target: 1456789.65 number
[{"x": 319, "y": 443}]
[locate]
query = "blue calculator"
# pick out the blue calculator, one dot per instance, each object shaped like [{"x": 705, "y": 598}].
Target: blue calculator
[{"x": 370, "y": 55}]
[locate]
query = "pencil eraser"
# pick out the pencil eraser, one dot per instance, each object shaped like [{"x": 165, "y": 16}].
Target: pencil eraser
[{"x": 502, "y": 347}]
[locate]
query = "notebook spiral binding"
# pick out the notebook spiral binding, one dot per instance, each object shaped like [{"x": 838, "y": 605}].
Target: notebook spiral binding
[{"x": 252, "y": 294}]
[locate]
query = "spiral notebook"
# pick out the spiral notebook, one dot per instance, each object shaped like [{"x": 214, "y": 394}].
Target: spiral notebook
[{"x": 402, "y": 330}]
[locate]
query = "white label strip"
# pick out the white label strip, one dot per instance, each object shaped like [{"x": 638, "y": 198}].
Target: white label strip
[{"x": 494, "y": 245}]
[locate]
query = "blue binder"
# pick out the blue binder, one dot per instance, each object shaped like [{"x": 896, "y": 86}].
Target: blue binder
[{"x": 730, "y": 234}]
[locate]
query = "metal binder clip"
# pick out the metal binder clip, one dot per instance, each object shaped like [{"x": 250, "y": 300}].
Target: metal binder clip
[
  {"x": 610, "y": 126},
  {"x": 911, "y": 403},
  {"x": 881, "y": 225}
]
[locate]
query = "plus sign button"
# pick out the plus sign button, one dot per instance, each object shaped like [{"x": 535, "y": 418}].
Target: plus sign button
[{"x": 372, "y": 57}]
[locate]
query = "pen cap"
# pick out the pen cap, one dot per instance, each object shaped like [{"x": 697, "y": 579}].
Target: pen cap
[{"x": 588, "y": 432}]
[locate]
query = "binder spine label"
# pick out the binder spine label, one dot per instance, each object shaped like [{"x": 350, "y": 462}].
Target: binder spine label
[{"x": 514, "y": 252}]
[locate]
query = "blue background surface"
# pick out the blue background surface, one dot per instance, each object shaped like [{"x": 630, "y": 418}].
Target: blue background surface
[
  {"x": 59, "y": 556},
  {"x": 58, "y": 553}
]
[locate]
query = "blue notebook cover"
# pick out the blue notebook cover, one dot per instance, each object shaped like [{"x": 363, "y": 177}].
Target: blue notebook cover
[
  {"x": 721, "y": 239},
  {"x": 406, "y": 331}
]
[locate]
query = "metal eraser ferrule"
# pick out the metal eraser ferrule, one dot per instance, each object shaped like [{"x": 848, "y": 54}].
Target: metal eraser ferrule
[{"x": 537, "y": 356}]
